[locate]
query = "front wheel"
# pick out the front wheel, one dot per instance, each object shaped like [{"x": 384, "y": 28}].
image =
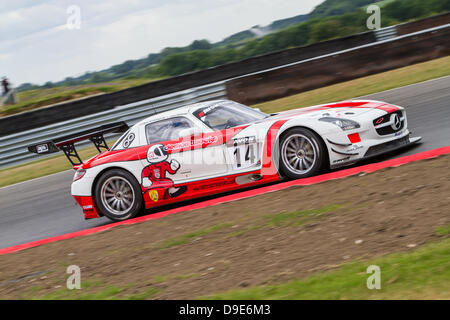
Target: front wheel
[
  {"x": 302, "y": 153},
  {"x": 118, "y": 195}
]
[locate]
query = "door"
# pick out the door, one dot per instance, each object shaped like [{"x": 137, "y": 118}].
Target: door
[{"x": 180, "y": 151}]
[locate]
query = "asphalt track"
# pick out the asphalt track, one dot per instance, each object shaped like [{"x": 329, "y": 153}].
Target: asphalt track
[{"x": 44, "y": 208}]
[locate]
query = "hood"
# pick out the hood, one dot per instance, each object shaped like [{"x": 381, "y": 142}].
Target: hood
[{"x": 345, "y": 109}]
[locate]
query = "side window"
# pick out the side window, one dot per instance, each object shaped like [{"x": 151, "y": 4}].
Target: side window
[{"x": 167, "y": 129}]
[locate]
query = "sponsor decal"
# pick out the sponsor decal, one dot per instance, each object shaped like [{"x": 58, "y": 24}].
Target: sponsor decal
[
  {"x": 213, "y": 185},
  {"x": 42, "y": 148},
  {"x": 157, "y": 153},
  {"x": 379, "y": 120},
  {"x": 243, "y": 140},
  {"x": 207, "y": 110},
  {"x": 128, "y": 140},
  {"x": 355, "y": 148},
  {"x": 341, "y": 160},
  {"x": 154, "y": 176},
  {"x": 243, "y": 151},
  {"x": 397, "y": 134},
  {"x": 188, "y": 144},
  {"x": 89, "y": 207},
  {"x": 153, "y": 195}
]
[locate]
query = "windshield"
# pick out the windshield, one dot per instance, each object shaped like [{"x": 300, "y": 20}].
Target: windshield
[{"x": 229, "y": 114}]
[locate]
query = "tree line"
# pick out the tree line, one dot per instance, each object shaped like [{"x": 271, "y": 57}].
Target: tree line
[{"x": 329, "y": 20}]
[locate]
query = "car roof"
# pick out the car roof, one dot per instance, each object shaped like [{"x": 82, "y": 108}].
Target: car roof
[{"x": 179, "y": 111}]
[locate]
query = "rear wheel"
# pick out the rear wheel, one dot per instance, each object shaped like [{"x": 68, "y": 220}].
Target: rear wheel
[
  {"x": 118, "y": 195},
  {"x": 302, "y": 153}
]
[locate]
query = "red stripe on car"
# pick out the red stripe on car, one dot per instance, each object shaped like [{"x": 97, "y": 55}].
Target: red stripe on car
[{"x": 268, "y": 167}]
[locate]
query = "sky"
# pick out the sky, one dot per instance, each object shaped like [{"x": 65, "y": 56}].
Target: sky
[{"x": 43, "y": 40}]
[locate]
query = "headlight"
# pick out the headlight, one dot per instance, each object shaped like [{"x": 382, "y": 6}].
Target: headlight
[
  {"x": 79, "y": 174},
  {"x": 344, "y": 124}
]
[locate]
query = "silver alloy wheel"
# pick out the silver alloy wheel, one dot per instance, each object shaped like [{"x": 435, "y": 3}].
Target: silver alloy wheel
[
  {"x": 117, "y": 195},
  {"x": 299, "y": 153}
]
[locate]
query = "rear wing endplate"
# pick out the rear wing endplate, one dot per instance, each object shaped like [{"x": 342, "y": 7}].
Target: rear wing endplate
[{"x": 67, "y": 143}]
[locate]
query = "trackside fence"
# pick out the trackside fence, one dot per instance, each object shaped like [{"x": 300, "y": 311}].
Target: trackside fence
[{"x": 13, "y": 148}]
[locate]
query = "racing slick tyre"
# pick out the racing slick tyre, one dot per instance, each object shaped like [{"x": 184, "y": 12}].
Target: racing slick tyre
[
  {"x": 302, "y": 153},
  {"x": 118, "y": 195}
]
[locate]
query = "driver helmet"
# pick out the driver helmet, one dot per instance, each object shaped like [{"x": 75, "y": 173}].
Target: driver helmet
[{"x": 157, "y": 153}]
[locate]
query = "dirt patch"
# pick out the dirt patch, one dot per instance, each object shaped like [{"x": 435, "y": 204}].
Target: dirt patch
[{"x": 266, "y": 239}]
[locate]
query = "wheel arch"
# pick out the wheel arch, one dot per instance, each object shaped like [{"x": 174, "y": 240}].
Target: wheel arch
[
  {"x": 101, "y": 173},
  {"x": 288, "y": 126}
]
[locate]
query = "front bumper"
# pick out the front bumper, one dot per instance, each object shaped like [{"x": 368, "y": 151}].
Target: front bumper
[
  {"x": 373, "y": 150},
  {"x": 390, "y": 146}
]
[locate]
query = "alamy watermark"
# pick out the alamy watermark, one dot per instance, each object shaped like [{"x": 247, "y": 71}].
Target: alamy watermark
[
  {"x": 374, "y": 21},
  {"x": 74, "y": 280},
  {"x": 74, "y": 18},
  {"x": 374, "y": 280}
]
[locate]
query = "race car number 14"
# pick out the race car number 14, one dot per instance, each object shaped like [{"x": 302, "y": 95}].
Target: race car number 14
[{"x": 243, "y": 152}]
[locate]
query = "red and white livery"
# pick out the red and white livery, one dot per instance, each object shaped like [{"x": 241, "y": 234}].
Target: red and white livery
[{"x": 218, "y": 146}]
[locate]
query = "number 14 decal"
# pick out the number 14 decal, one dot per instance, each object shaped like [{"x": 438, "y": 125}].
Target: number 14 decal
[
  {"x": 250, "y": 156},
  {"x": 243, "y": 152}
]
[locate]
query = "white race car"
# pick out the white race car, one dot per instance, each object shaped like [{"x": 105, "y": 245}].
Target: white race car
[{"x": 218, "y": 146}]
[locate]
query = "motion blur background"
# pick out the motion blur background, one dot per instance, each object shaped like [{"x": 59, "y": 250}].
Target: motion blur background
[
  {"x": 68, "y": 66},
  {"x": 125, "y": 43}
]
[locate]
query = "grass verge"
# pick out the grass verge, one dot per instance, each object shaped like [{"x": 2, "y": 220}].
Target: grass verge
[
  {"x": 298, "y": 218},
  {"x": 43, "y": 167},
  {"x": 38, "y": 98},
  {"x": 40, "y": 168},
  {"x": 359, "y": 87},
  {"x": 443, "y": 231},
  {"x": 92, "y": 290},
  {"x": 289, "y": 219},
  {"x": 422, "y": 274},
  {"x": 185, "y": 238}
]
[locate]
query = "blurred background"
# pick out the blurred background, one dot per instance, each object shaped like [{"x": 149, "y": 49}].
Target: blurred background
[
  {"x": 52, "y": 51},
  {"x": 68, "y": 66}
]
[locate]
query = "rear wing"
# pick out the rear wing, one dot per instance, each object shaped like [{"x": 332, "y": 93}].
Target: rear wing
[{"x": 67, "y": 143}]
